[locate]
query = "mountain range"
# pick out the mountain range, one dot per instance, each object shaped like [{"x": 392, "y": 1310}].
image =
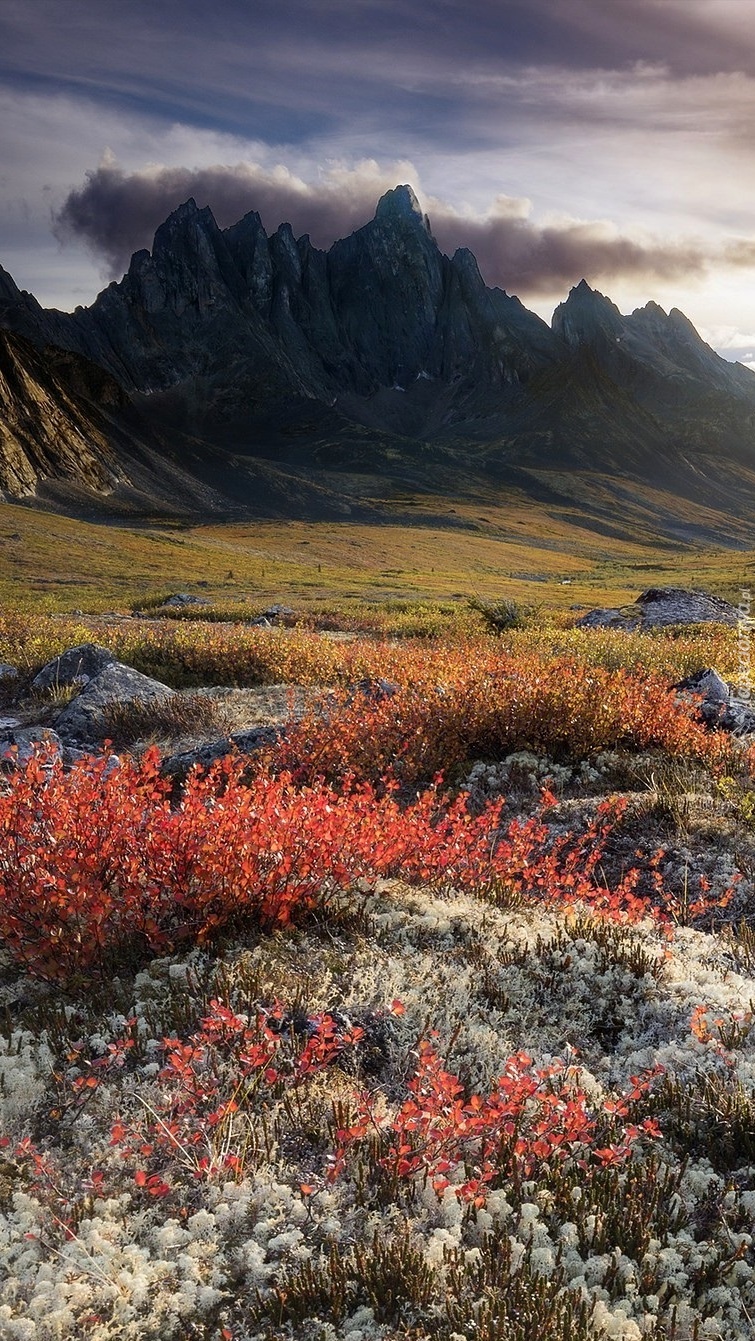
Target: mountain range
[{"x": 235, "y": 372}]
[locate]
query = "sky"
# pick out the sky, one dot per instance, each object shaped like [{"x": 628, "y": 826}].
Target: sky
[{"x": 610, "y": 140}]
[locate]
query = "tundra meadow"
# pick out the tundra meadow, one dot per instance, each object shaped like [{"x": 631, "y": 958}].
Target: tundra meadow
[{"x": 432, "y": 1017}]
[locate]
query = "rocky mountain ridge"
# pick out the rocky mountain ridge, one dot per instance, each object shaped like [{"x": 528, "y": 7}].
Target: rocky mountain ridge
[{"x": 265, "y": 348}]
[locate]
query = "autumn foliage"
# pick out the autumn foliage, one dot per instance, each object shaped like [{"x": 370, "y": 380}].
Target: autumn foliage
[
  {"x": 534, "y": 1117},
  {"x": 98, "y": 860},
  {"x": 485, "y": 711}
]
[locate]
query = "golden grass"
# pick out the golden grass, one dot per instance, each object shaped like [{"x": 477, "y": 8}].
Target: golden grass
[{"x": 518, "y": 550}]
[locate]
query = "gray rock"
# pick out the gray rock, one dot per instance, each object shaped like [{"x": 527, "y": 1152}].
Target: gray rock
[
  {"x": 71, "y": 756},
  {"x": 607, "y": 619},
  {"x": 739, "y": 718},
  {"x": 661, "y": 606},
  {"x": 377, "y": 688},
  {"x": 261, "y": 622},
  {"x": 83, "y": 720},
  {"x": 21, "y": 744},
  {"x": 7, "y": 672},
  {"x": 178, "y": 766},
  {"x": 76, "y": 666},
  {"x": 277, "y": 611},
  {"x": 707, "y": 682},
  {"x": 721, "y": 707}
]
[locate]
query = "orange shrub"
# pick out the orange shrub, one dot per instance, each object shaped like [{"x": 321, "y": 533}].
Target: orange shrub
[{"x": 489, "y": 710}]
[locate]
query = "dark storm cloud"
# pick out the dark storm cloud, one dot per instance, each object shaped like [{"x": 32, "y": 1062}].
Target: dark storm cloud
[
  {"x": 526, "y": 258},
  {"x": 116, "y": 213}
]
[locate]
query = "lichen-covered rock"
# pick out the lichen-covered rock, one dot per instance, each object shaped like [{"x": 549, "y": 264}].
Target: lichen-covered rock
[
  {"x": 607, "y": 619},
  {"x": 78, "y": 665},
  {"x": 674, "y": 605},
  {"x": 84, "y": 718},
  {"x": 20, "y": 745},
  {"x": 660, "y": 606}
]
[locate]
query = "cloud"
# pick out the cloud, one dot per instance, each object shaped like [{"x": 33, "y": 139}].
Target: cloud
[
  {"x": 530, "y": 258},
  {"x": 115, "y": 213}
]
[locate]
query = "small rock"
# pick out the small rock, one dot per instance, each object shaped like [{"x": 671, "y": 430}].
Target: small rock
[
  {"x": 261, "y": 622},
  {"x": 178, "y": 766},
  {"x": 71, "y": 756},
  {"x": 7, "y": 672},
  {"x": 707, "y": 682},
  {"x": 21, "y": 744},
  {"x": 377, "y": 688},
  {"x": 278, "y": 611},
  {"x": 180, "y": 598},
  {"x": 721, "y": 706}
]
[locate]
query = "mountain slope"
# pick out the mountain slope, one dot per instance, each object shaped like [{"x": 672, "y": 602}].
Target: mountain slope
[
  {"x": 382, "y": 360},
  {"x": 47, "y": 430}
]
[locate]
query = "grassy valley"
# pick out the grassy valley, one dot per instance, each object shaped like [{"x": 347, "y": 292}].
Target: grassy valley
[{"x": 520, "y": 550}]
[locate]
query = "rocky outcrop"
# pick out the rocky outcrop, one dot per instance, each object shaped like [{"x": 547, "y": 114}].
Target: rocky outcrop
[{"x": 47, "y": 429}]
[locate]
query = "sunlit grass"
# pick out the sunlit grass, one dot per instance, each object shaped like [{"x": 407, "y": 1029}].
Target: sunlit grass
[{"x": 518, "y": 551}]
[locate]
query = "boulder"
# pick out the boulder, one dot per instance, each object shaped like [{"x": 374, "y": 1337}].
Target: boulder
[
  {"x": 83, "y": 720},
  {"x": 674, "y": 605},
  {"x": 178, "y": 766},
  {"x": 607, "y": 619},
  {"x": 76, "y": 666},
  {"x": 661, "y": 606}
]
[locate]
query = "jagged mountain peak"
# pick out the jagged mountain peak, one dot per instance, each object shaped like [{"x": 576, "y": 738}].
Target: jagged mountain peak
[
  {"x": 401, "y": 205},
  {"x": 586, "y": 316},
  {"x": 583, "y": 296},
  {"x": 186, "y": 219},
  {"x": 465, "y": 262}
]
